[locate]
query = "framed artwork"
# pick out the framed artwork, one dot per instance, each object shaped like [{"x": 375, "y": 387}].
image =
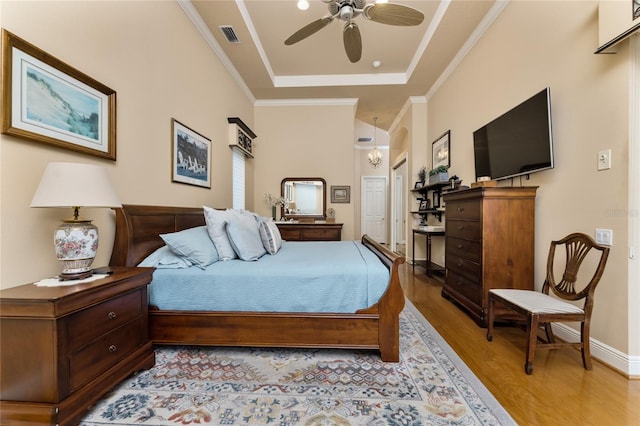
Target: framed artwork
[
  {"x": 440, "y": 151},
  {"x": 46, "y": 100},
  {"x": 418, "y": 185},
  {"x": 340, "y": 194},
  {"x": 635, "y": 5},
  {"x": 191, "y": 156},
  {"x": 424, "y": 205}
]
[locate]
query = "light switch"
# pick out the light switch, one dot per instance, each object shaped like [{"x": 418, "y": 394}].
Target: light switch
[{"x": 604, "y": 159}]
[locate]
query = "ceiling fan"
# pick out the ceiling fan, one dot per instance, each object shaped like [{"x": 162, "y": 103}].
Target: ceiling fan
[{"x": 347, "y": 10}]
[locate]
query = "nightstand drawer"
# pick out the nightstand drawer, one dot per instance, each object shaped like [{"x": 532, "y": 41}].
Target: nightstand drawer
[
  {"x": 468, "y": 230},
  {"x": 100, "y": 319},
  {"x": 471, "y": 250},
  {"x": 468, "y": 210},
  {"x": 104, "y": 353}
]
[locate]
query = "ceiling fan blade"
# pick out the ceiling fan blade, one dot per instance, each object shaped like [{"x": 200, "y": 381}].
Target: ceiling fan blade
[
  {"x": 393, "y": 14},
  {"x": 352, "y": 41},
  {"x": 308, "y": 30}
]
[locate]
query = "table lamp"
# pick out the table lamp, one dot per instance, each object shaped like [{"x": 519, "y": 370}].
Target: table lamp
[{"x": 75, "y": 185}]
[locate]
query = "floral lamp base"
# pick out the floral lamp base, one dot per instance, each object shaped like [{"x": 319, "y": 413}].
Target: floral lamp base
[{"x": 76, "y": 243}]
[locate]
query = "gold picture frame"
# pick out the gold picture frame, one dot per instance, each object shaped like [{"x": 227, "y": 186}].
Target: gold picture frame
[{"x": 46, "y": 100}]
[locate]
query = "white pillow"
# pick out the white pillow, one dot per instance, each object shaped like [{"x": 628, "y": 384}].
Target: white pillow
[
  {"x": 215, "y": 220},
  {"x": 270, "y": 236},
  {"x": 245, "y": 238}
]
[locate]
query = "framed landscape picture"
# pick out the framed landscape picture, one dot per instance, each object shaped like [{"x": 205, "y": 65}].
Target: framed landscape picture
[
  {"x": 46, "y": 100},
  {"x": 440, "y": 155},
  {"x": 191, "y": 156},
  {"x": 340, "y": 194}
]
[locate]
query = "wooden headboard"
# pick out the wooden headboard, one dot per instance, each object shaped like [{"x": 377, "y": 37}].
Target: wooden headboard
[{"x": 138, "y": 229}]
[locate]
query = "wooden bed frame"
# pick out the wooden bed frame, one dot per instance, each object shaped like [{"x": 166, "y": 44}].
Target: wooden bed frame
[{"x": 376, "y": 327}]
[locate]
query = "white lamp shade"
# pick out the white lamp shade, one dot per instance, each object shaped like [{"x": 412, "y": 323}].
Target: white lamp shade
[{"x": 75, "y": 185}]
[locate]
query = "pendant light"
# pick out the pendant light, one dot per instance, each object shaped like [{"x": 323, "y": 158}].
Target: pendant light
[{"x": 375, "y": 156}]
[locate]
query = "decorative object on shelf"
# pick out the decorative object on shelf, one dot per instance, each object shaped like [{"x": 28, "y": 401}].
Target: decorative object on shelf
[
  {"x": 274, "y": 202},
  {"x": 241, "y": 136},
  {"x": 75, "y": 185},
  {"x": 340, "y": 194},
  {"x": 418, "y": 185},
  {"x": 46, "y": 100},
  {"x": 439, "y": 174},
  {"x": 191, "y": 156},
  {"x": 424, "y": 204},
  {"x": 440, "y": 151},
  {"x": 331, "y": 215},
  {"x": 422, "y": 174},
  {"x": 375, "y": 156}
]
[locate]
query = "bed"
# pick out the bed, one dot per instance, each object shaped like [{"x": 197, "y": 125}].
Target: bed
[{"x": 376, "y": 327}]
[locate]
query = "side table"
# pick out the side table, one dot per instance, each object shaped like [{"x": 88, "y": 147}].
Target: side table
[{"x": 428, "y": 265}]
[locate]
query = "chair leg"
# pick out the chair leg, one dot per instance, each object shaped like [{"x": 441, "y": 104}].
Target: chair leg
[
  {"x": 549, "y": 332},
  {"x": 586, "y": 348},
  {"x": 532, "y": 333},
  {"x": 490, "y": 318}
]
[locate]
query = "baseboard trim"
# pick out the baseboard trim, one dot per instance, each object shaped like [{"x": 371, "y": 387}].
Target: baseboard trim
[{"x": 626, "y": 364}]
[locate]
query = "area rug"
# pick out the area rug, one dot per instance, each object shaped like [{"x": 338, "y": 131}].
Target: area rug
[{"x": 266, "y": 386}]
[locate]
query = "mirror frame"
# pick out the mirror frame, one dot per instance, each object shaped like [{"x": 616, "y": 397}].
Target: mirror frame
[{"x": 305, "y": 216}]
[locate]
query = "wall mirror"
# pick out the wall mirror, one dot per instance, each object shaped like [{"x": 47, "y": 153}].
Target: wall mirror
[{"x": 305, "y": 198}]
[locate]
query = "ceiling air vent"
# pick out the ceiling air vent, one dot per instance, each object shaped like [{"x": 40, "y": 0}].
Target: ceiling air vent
[
  {"x": 367, "y": 139},
  {"x": 229, "y": 33}
]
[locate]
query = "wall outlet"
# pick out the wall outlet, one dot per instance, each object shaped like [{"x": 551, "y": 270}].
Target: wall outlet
[{"x": 604, "y": 236}]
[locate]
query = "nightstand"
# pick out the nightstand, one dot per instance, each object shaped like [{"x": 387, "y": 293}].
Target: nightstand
[{"x": 64, "y": 347}]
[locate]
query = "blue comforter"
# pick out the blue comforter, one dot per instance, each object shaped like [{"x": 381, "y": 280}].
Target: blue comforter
[{"x": 336, "y": 276}]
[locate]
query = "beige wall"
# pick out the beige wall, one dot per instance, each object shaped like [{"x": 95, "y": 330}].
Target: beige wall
[
  {"x": 530, "y": 46},
  {"x": 306, "y": 140},
  {"x": 160, "y": 67}
]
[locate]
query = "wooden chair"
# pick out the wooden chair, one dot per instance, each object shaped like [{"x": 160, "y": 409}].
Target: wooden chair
[{"x": 541, "y": 309}]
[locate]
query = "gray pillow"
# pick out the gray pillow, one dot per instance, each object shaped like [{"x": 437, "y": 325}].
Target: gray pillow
[
  {"x": 164, "y": 258},
  {"x": 245, "y": 239},
  {"x": 215, "y": 220},
  {"x": 194, "y": 244}
]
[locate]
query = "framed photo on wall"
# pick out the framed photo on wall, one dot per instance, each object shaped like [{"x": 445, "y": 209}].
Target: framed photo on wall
[
  {"x": 191, "y": 156},
  {"x": 440, "y": 151},
  {"x": 340, "y": 194},
  {"x": 46, "y": 100}
]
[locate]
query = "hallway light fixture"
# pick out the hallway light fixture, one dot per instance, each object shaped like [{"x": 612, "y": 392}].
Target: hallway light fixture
[{"x": 375, "y": 156}]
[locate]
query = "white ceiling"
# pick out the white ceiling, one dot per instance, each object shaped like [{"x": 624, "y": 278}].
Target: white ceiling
[{"x": 412, "y": 58}]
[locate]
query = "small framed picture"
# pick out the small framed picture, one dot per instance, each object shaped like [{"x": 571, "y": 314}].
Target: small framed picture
[
  {"x": 418, "y": 185},
  {"x": 191, "y": 159},
  {"x": 424, "y": 205},
  {"x": 340, "y": 194},
  {"x": 440, "y": 155}
]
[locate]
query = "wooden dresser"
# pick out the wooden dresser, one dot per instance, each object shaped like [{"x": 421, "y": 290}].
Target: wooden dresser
[
  {"x": 489, "y": 238},
  {"x": 297, "y": 231},
  {"x": 64, "y": 347}
]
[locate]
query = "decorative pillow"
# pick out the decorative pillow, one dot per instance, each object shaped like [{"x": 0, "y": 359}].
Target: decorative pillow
[
  {"x": 270, "y": 236},
  {"x": 164, "y": 258},
  {"x": 245, "y": 238},
  {"x": 194, "y": 245},
  {"x": 215, "y": 220}
]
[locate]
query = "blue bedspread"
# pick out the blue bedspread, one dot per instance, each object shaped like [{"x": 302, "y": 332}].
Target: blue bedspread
[{"x": 336, "y": 276}]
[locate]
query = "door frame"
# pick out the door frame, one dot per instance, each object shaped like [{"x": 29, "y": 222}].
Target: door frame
[{"x": 402, "y": 159}]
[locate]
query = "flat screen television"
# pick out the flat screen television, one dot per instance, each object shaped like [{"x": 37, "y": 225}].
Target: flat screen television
[{"x": 517, "y": 143}]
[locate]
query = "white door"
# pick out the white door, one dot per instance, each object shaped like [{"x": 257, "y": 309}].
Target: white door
[{"x": 374, "y": 207}]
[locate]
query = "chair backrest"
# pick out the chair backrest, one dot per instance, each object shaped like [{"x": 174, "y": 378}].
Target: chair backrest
[{"x": 577, "y": 246}]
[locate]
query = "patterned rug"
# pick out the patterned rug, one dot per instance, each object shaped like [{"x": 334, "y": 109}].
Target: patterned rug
[{"x": 260, "y": 386}]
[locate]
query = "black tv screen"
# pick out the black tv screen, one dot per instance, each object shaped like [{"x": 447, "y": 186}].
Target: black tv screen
[{"x": 519, "y": 142}]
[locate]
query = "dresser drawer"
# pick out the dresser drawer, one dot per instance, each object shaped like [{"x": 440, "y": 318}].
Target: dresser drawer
[
  {"x": 468, "y": 210},
  {"x": 462, "y": 266},
  {"x": 470, "y": 289},
  {"x": 100, "y": 319},
  {"x": 314, "y": 234},
  {"x": 104, "y": 352},
  {"x": 289, "y": 234},
  {"x": 471, "y": 250},
  {"x": 468, "y": 230}
]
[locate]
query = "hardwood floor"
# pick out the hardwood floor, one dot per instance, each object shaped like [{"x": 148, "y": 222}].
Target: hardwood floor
[{"x": 559, "y": 392}]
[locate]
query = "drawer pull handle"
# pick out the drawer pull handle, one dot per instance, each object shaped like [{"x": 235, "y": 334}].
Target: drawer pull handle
[
  {"x": 459, "y": 282},
  {"x": 460, "y": 264},
  {"x": 460, "y": 209},
  {"x": 111, "y": 315},
  {"x": 460, "y": 227},
  {"x": 460, "y": 246},
  {"x": 112, "y": 348}
]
